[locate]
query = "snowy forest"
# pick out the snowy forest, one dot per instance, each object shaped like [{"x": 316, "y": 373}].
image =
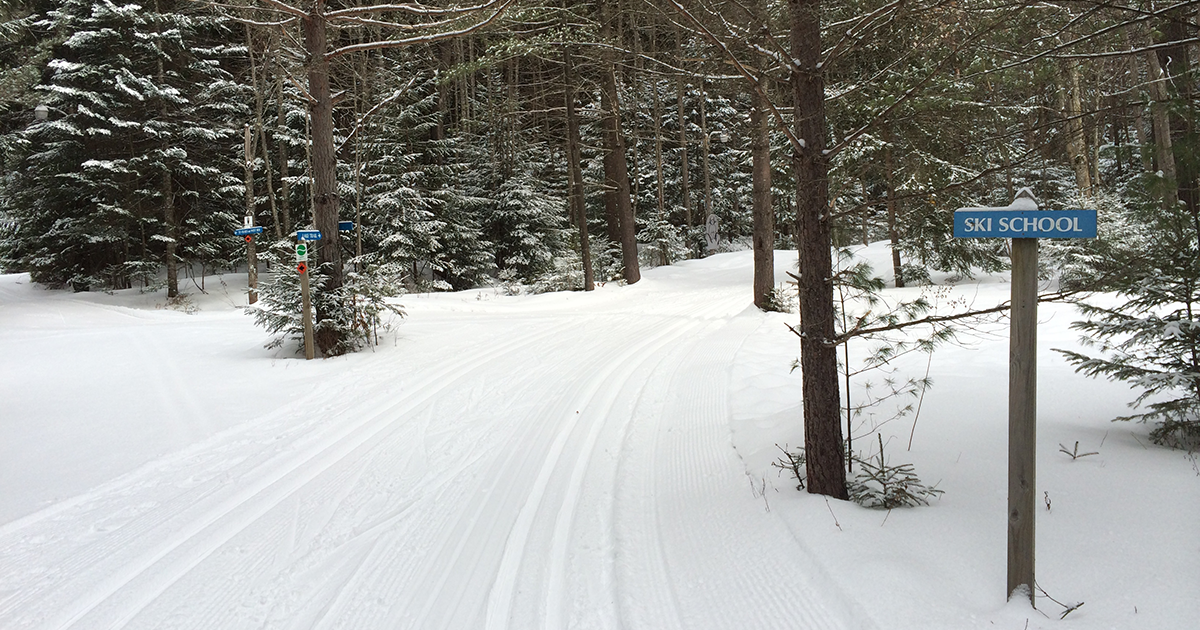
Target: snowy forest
[
  {"x": 555, "y": 145},
  {"x": 632, "y": 314}
]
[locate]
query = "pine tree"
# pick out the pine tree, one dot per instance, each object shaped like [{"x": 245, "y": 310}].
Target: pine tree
[
  {"x": 1151, "y": 337},
  {"x": 130, "y": 170}
]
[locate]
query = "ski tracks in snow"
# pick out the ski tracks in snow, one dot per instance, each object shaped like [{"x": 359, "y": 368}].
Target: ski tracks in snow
[
  {"x": 564, "y": 477},
  {"x": 728, "y": 568}
]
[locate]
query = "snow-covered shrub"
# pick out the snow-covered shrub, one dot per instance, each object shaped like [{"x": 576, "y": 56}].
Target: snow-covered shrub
[
  {"x": 782, "y": 300},
  {"x": 881, "y": 485},
  {"x": 352, "y": 313},
  {"x": 566, "y": 274},
  {"x": 663, "y": 244},
  {"x": 877, "y": 484}
]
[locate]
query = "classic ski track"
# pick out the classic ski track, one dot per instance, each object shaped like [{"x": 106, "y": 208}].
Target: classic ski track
[
  {"x": 557, "y": 580},
  {"x": 486, "y": 506},
  {"x": 698, "y": 461},
  {"x": 501, "y": 595},
  {"x": 271, "y": 477},
  {"x": 599, "y": 398},
  {"x": 522, "y": 450}
]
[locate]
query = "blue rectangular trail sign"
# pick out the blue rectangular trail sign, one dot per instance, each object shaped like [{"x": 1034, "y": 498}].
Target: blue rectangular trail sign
[
  {"x": 250, "y": 230},
  {"x": 345, "y": 226},
  {"x": 1002, "y": 223},
  {"x": 308, "y": 235}
]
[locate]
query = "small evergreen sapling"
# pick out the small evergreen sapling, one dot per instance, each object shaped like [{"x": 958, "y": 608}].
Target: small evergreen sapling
[
  {"x": 355, "y": 310},
  {"x": 877, "y": 484},
  {"x": 881, "y": 485}
]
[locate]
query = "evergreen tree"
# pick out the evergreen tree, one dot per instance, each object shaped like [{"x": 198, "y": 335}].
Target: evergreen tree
[
  {"x": 1150, "y": 338},
  {"x": 130, "y": 170}
]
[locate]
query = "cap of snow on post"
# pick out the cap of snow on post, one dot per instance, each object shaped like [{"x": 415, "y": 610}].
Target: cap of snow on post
[{"x": 1022, "y": 219}]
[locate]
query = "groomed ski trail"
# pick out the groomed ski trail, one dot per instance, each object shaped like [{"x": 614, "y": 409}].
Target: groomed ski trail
[{"x": 561, "y": 476}]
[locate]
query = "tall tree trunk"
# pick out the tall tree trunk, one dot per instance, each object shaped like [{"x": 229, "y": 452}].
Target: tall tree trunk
[
  {"x": 575, "y": 172},
  {"x": 704, "y": 154},
  {"x": 170, "y": 217},
  {"x": 823, "y": 446},
  {"x": 1160, "y": 119},
  {"x": 1177, "y": 68},
  {"x": 616, "y": 171},
  {"x": 1070, "y": 104},
  {"x": 684, "y": 185},
  {"x": 260, "y": 132},
  {"x": 323, "y": 164},
  {"x": 763, "y": 213},
  {"x": 172, "y": 222},
  {"x": 285, "y": 188},
  {"x": 893, "y": 222},
  {"x": 251, "y": 252}
]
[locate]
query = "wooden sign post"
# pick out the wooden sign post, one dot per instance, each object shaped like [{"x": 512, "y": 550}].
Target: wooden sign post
[
  {"x": 305, "y": 237},
  {"x": 1024, "y": 224},
  {"x": 251, "y": 252}
]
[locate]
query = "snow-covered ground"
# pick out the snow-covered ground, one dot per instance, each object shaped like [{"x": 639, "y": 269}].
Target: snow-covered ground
[{"x": 568, "y": 460}]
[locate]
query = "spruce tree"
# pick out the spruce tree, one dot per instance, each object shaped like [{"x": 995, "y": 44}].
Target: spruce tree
[
  {"x": 132, "y": 168},
  {"x": 1150, "y": 337}
]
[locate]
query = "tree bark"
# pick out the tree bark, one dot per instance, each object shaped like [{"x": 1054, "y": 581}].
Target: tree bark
[
  {"x": 251, "y": 252},
  {"x": 323, "y": 164},
  {"x": 170, "y": 217},
  {"x": 763, "y": 212},
  {"x": 172, "y": 221},
  {"x": 1160, "y": 120},
  {"x": 661, "y": 187},
  {"x": 684, "y": 185},
  {"x": 893, "y": 222},
  {"x": 285, "y": 188},
  {"x": 616, "y": 170},
  {"x": 575, "y": 175},
  {"x": 825, "y": 464},
  {"x": 260, "y": 132},
  {"x": 704, "y": 167},
  {"x": 1071, "y": 105}
]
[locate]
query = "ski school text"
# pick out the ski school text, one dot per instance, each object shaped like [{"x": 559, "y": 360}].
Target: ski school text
[{"x": 989, "y": 223}]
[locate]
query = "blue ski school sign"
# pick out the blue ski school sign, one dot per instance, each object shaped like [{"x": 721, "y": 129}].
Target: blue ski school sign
[{"x": 1006, "y": 223}]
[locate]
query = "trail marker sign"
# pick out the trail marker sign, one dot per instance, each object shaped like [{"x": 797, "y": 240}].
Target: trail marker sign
[
  {"x": 345, "y": 226},
  {"x": 1018, "y": 223},
  {"x": 248, "y": 231},
  {"x": 308, "y": 235},
  {"x": 1024, "y": 224},
  {"x": 301, "y": 252}
]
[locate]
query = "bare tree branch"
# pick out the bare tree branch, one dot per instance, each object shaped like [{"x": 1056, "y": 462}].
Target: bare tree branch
[
  {"x": 284, "y": 7},
  {"x": 797, "y": 143},
  {"x": 1057, "y": 296},
  {"x": 413, "y": 8},
  {"x": 358, "y": 124},
  {"x": 423, "y": 39}
]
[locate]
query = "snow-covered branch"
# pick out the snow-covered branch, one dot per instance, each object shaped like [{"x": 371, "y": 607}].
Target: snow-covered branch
[
  {"x": 423, "y": 39},
  {"x": 409, "y": 7}
]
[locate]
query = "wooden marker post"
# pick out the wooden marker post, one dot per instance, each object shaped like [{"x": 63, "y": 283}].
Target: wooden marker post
[
  {"x": 305, "y": 237},
  {"x": 251, "y": 252},
  {"x": 1022, "y": 415},
  {"x": 1024, "y": 224},
  {"x": 306, "y": 311}
]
